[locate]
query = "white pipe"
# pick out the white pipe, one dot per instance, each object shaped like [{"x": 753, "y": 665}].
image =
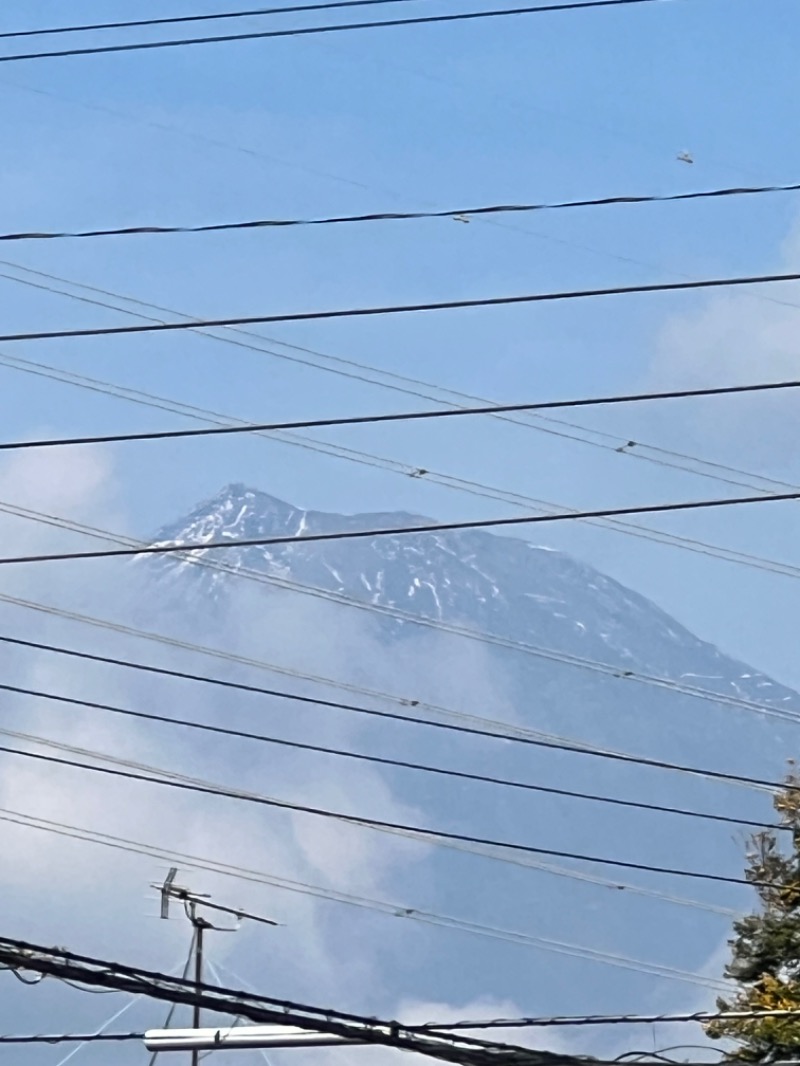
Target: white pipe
[{"x": 253, "y": 1036}]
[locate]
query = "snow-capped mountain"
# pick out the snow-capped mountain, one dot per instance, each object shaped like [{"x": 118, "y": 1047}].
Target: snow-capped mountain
[
  {"x": 498, "y": 626},
  {"x": 500, "y": 585}
]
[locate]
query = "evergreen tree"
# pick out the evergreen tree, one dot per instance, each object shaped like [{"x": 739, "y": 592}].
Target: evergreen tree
[{"x": 765, "y": 952}]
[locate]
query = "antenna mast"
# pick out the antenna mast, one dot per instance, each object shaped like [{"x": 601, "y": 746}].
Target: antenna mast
[{"x": 191, "y": 901}]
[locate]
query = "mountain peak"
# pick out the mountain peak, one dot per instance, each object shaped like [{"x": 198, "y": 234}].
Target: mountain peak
[
  {"x": 503, "y": 586},
  {"x": 238, "y": 492}
]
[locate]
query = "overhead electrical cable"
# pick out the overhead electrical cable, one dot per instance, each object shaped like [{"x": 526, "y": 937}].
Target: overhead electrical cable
[
  {"x": 91, "y": 971},
  {"x": 606, "y": 1019},
  {"x": 511, "y": 1023},
  {"x": 217, "y": 16},
  {"x": 404, "y": 764},
  {"x": 696, "y": 466},
  {"x": 637, "y": 449},
  {"x": 175, "y": 129},
  {"x": 406, "y": 416},
  {"x": 503, "y": 731},
  {"x": 69, "y": 1038},
  {"x": 21, "y": 954},
  {"x": 759, "y": 482},
  {"x": 351, "y": 369},
  {"x": 738, "y": 281},
  {"x": 746, "y": 479},
  {"x": 376, "y": 823},
  {"x": 63, "y": 964},
  {"x": 247, "y": 573},
  {"x": 400, "y": 216},
  {"x": 304, "y": 31},
  {"x": 387, "y": 531},
  {"x": 486, "y": 852},
  {"x": 396, "y": 910},
  {"x": 551, "y": 655},
  {"x": 385, "y": 907}
]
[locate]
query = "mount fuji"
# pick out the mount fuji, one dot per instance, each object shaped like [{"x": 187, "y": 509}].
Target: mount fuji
[{"x": 503, "y": 628}]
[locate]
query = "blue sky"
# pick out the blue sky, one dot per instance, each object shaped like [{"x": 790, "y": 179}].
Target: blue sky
[
  {"x": 510, "y": 109},
  {"x": 525, "y": 109}
]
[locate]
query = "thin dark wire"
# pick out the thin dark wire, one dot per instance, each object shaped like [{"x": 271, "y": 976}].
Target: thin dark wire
[
  {"x": 375, "y": 823},
  {"x": 91, "y": 991},
  {"x": 394, "y": 216},
  {"x": 434, "y": 527},
  {"x": 387, "y": 909},
  {"x": 603, "y": 1019},
  {"x": 402, "y": 309},
  {"x": 21, "y": 977},
  {"x": 383, "y": 761},
  {"x": 302, "y": 31},
  {"x": 415, "y": 384},
  {"x": 76, "y": 1038},
  {"x": 58, "y": 962},
  {"x": 174, "y": 19},
  {"x": 514, "y": 738},
  {"x": 407, "y": 416},
  {"x": 702, "y": 468}
]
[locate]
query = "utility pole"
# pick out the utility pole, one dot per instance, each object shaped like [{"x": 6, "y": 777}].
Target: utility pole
[
  {"x": 191, "y": 901},
  {"x": 199, "y": 925}
]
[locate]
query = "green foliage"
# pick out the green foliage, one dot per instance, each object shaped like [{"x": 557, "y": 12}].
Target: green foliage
[{"x": 765, "y": 951}]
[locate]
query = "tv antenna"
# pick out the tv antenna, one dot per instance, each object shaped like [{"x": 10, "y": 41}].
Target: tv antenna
[{"x": 171, "y": 891}]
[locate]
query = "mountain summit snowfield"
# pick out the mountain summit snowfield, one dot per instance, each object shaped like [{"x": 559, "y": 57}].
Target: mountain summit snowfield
[{"x": 503, "y": 586}]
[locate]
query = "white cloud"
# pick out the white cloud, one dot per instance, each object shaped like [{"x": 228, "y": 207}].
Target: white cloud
[
  {"x": 420, "y": 1012},
  {"x": 101, "y": 902},
  {"x": 735, "y": 337},
  {"x": 71, "y": 481}
]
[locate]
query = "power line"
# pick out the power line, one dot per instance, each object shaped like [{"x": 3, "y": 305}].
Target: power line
[
  {"x": 413, "y": 914},
  {"x": 401, "y": 309},
  {"x": 408, "y": 470},
  {"x": 618, "y": 445},
  {"x": 496, "y": 727},
  {"x": 175, "y": 19},
  {"x": 239, "y": 148},
  {"x": 385, "y": 761},
  {"x": 484, "y": 637},
  {"x": 302, "y": 31},
  {"x": 27, "y": 953},
  {"x": 407, "y": 416},
  {"x": 362, "y": 534},
  {"x": 407, "y": 386},
  {"x": 402, "y": 911},
  {"x": 70, "y": 1038},
  {"x": 512, "y": 736},
  {"x": 397, "y": 910},
  {"x": 385, "y": 907},
  {"x": 93, "y": 971},
  {"x": 343, "y": 599},
  {"x": 607, "y": 1019},
  {"x": 515, "y": 1023},
  {"x": 375, "y": 823},
  {"x": 396, "y": 216},
  {"x": 426, "y": 917},
  {"x": 481, "y": 852}
]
